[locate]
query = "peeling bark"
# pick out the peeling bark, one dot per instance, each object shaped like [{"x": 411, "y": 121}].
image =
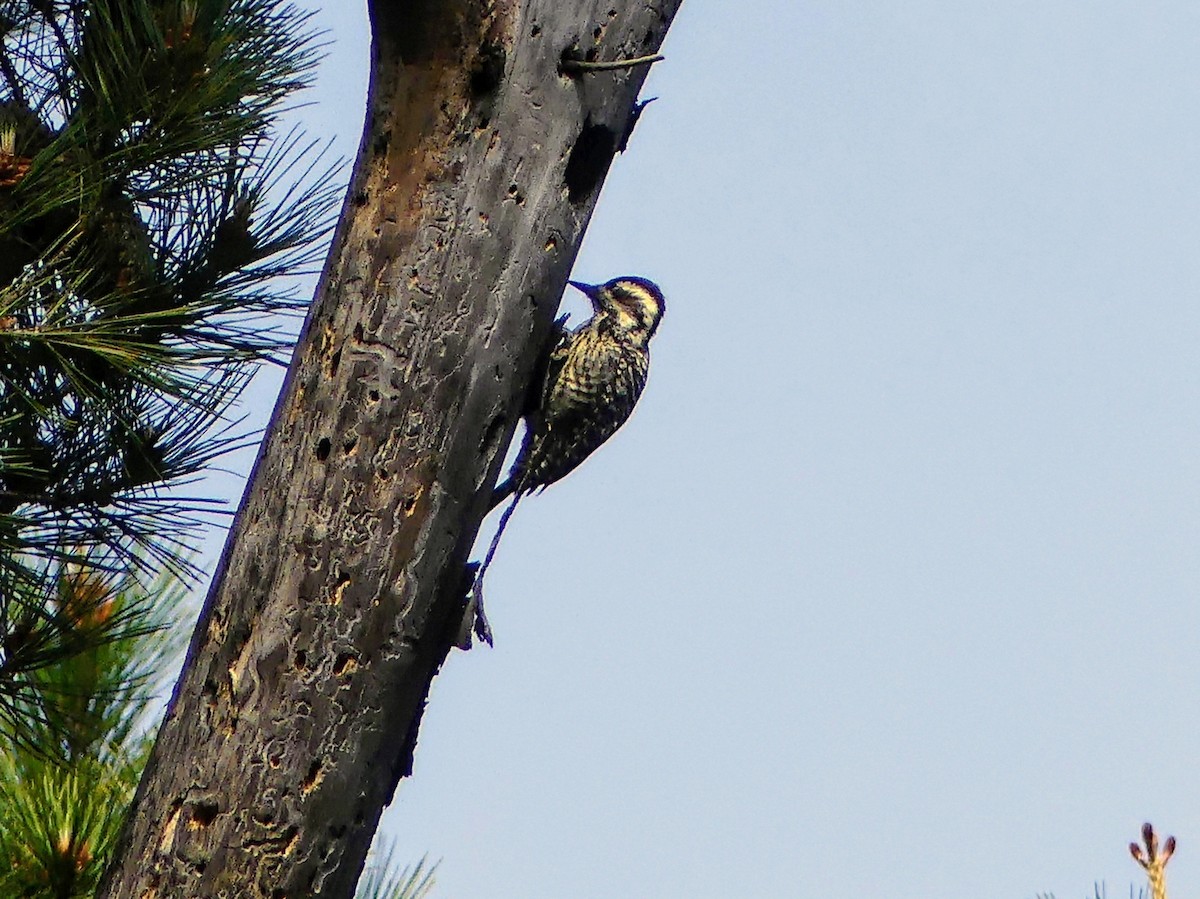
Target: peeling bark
[{"x": 342, "y": 579}]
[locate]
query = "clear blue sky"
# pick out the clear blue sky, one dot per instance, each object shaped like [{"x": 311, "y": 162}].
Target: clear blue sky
[{"x": 913, "y": 606}]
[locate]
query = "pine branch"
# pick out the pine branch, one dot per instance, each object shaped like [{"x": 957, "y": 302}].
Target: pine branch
[
  {"x": 148, "y": 213},
  {"x": 69, "y": 772}
]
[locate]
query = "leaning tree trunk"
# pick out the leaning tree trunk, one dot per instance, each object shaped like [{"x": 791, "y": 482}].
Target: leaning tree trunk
[{"x": 342, "y": 580}]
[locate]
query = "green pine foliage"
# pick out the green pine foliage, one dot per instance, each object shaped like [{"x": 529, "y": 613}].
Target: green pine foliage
[
  {"x": 383, "y": 878},
  {"x": 65, "y": 783},
  {"x": 152, "y": 219}
]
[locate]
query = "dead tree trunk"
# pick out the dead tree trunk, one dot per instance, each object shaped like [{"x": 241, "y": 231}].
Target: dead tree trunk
[{"x": 297, "y": 711}]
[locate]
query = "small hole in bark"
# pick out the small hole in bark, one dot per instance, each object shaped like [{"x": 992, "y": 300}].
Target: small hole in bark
[
  {"x": 339, "y": 589},
  {"x": 589, "y": 160},
  {"x": 323, "y": 448},
  {"x": 349, "y": 444},
  {"x": 358, "y": 332},
  {"x": 301, "y": 658},
  {"x": 568, "y": 56},
  {"x": 535, "y": 30},
  {"x": 204, "y": 813},
  {"x": 597, "y": 32},
  {"x": 492, "y": 434},
  {"x": 314, "y": 777},
  {"x": 373, "y": 395},
  {"x": 360, "y": 198},
  {"x": 334, "y": 361},
  {"x": 410, "y": 503},
  {"x": 346, "y": 663},
  {"x": 551, "y": 245},
  {"x": 489, "y": 70}
]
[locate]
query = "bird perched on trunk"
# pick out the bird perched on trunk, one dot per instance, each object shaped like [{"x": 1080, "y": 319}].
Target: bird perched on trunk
[{"x": 589, "y": 383}]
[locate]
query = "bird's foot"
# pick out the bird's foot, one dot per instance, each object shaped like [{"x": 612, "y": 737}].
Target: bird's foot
[
  {"x": 474, "y": 619},
  {"x": 480, "y": 625}
]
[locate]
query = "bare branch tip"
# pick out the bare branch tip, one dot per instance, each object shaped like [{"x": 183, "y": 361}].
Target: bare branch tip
[{"x": 581, "y": 66}]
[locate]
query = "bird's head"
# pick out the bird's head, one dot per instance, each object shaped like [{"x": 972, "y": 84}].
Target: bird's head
[{"x": 634, "y": 304}]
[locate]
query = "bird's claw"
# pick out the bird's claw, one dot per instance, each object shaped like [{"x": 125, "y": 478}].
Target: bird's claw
[
  {"x": 474, "y": 619},
  {"x": 479, "y": 625}
]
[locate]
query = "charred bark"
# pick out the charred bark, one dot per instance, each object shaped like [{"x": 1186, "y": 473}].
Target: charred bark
[{"x": 342, "y": 579}]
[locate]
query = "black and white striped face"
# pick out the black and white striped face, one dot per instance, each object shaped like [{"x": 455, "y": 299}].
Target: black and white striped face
[{"x": 637, "y": 304}]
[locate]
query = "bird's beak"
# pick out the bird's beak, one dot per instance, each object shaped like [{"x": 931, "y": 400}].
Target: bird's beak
[{"x": 592, "y": 291}]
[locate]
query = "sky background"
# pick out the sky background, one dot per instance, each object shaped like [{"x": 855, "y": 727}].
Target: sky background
[{"x": 913, "y": 608}]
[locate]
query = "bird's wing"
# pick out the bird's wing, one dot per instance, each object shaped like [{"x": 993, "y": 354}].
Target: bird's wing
[{"x": 550, "y": 365}]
